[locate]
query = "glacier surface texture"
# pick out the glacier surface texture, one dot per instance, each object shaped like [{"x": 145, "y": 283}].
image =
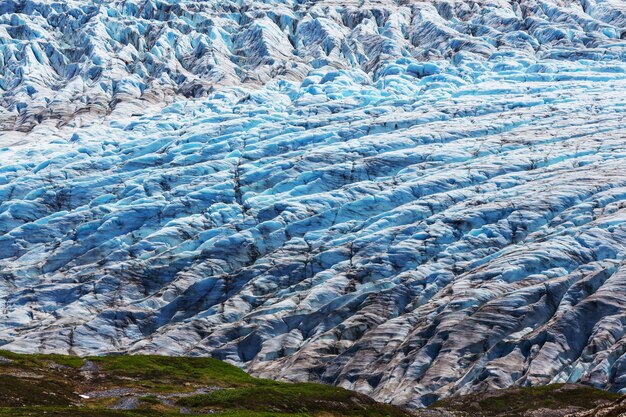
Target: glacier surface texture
[{"x": 411, "y": 199}]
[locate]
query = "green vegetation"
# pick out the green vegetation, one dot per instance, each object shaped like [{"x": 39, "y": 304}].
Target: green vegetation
[
  {"x": 74, "y": 412},
  {"x": 38, "y": 361},
  {"x": 517, "y": 402},
  {"x": 167, "y": 373},
  {"x": 293, "y": 398},
  {"x": 18, "y": 391},
  {"x": 159, "y": 386},
  {"x": 86, "y": 412}
]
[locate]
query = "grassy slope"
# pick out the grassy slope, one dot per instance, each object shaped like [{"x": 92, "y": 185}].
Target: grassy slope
[
  {"x": 519, "y": 402},
  {"x": 33, "y": 384}
]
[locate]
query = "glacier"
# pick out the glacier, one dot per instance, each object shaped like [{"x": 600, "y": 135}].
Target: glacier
[{"x": 410, "y": 199}]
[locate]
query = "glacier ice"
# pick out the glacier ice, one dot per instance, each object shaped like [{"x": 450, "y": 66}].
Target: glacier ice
[{"x": 409, "y": 199}]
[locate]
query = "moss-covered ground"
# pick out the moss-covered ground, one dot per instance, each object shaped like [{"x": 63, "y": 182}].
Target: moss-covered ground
[
  {"x": 159, "y": 386},
  {"x": 520, "y": 402}
]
